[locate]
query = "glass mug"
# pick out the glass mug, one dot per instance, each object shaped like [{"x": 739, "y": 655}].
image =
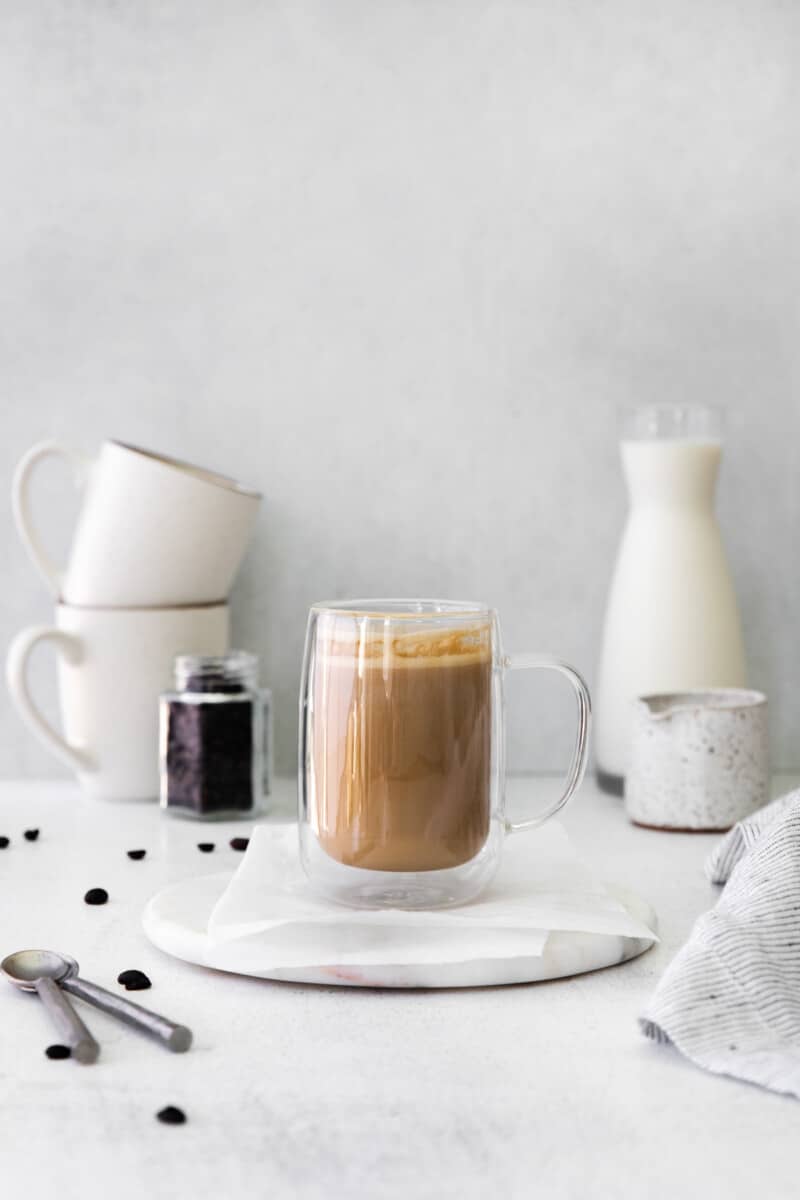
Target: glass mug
[{"x": 401, "y": 751}]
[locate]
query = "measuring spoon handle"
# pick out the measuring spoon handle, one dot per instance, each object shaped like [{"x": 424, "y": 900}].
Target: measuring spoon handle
[
  {"x": 175, "y": 1037},
  {"x": 69, "y": 1025}
]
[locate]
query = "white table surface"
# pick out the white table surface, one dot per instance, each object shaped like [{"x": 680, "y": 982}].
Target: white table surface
[{"x": 290, "y": 1091}]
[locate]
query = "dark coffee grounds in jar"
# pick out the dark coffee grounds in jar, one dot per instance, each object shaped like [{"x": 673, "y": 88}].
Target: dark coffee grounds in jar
[
  {"x": 4, "y": 842},
  {"x": 240, "y": 843},
  {"x": 205, "y": 847},
  {"x": 136, "y": 855},
  {"x": 31, "y": 835},
  {"x": 214, "y": 681},
  {"x": 212, "y": 736},
  {"x": 209, "y": 756},
  {"x": 96, "y": 896}
]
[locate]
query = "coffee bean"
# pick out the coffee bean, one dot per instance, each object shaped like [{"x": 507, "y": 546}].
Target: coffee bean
[
  {"x": 96, "y": 896},
  {"x": 172, "y": 1115},
  {"x": 57, "y": 1051},
  {"x": 134, "y": 981},
  {"x": 4, "y": 841},
  {"x": 206, "y": 847},
  {"x": 31, "y": 835},
  {"x": 240, "y": 843},
  {"x": 137, "y": 855}
]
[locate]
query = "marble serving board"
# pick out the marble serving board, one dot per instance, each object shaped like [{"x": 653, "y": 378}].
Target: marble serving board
[{"x": 176, "y": 921}]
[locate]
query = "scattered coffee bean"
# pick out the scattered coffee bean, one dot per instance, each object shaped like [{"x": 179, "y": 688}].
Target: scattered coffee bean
[
  {"x": 31, "y": 835},
  {"x": 136, "y": 855},
  {"x": 206, "y": 847},
  {"x": 172, "y": 1115},
  {"x": 240, "y": 843},
  {"x": 4, "y": 841},
  {"x": 134, "y": 981},
  {"x": 57, "y": 1051},
  {"x": 96, "y": 896}
]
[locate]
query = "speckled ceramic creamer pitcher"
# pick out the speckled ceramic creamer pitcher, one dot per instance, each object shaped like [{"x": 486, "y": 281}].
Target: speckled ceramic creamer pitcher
[{"x": 698, "y": 760}]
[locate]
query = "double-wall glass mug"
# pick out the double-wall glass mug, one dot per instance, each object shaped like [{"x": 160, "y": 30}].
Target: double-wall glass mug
[{"x": 402, "y": 748}]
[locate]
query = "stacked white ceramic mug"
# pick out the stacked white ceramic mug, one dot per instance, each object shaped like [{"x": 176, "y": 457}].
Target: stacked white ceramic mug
[{"x": 155, "y": 551}]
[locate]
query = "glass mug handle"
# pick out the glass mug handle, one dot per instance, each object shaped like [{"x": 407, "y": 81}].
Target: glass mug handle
[{"x": 577, "y": 768}]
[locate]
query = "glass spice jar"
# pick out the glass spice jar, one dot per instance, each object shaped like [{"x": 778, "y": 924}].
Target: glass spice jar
[{"x": 215, "y": 738}]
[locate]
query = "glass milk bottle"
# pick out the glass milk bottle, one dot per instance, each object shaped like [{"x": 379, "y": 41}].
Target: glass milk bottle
[{"x": 672, "y": 621}]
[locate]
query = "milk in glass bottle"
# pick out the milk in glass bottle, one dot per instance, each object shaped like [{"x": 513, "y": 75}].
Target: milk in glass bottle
[{"x": 672, "y": 621}]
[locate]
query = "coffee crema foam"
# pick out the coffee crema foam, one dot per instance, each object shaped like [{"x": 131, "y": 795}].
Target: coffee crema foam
[{"x": 417, "y": 648}]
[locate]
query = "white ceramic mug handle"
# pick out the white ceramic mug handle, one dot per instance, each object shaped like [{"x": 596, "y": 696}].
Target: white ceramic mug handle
[
  {"x": 20, "y": 500},
  {"x": 17, "y": 677},
  {"x": 577, "y": 768}
]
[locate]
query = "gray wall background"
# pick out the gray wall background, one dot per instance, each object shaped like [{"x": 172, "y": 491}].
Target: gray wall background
[{"x": 397, "y": 264}]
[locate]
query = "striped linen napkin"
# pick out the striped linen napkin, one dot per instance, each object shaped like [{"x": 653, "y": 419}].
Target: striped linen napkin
[{"x": 730, "y": 999}]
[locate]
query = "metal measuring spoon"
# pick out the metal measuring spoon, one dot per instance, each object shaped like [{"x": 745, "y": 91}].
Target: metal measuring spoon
[
  {"x": 177, "y": 1038},
  {"x": 37, "y": 971}
]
